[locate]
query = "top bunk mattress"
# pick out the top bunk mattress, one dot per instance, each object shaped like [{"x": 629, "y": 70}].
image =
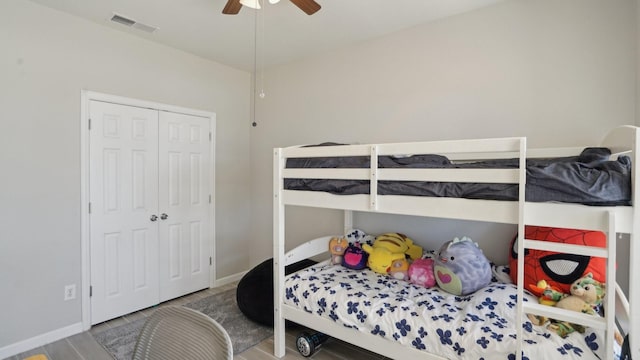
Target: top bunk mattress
[{"x": 590, "y": 178}]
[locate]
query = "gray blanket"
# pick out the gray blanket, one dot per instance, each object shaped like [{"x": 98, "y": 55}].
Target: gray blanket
[{"x": 590, "y": 178}]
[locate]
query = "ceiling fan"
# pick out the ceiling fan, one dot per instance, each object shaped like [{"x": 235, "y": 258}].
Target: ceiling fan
[{"x": 233, "y": 6}]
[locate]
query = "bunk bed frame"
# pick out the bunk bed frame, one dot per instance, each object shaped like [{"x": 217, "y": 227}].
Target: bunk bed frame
[{"x": 610, "y": 220}]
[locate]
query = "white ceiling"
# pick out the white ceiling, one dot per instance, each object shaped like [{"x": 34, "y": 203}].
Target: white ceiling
[{"x": 286, "y": 33}]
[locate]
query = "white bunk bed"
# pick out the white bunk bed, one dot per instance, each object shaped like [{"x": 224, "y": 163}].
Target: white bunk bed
[{"x": 611, "y": 220}]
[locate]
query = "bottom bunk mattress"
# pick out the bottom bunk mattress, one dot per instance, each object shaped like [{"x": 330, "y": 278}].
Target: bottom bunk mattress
[{"x": 477, "y": 326}]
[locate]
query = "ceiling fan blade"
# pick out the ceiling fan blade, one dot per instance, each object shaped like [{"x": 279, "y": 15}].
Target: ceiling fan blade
[
  {"x": 233, "y": 7},
  {"x": 308, "y": 6}
]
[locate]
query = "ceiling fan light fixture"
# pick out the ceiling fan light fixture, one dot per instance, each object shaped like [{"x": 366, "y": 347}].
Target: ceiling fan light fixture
[
  {"x": 254, "y": 4},
  {"x": 233, "y": 7}
]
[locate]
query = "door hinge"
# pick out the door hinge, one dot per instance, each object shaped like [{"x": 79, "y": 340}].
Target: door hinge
[
  {"x": 210, "y": 261},
  {"x": 89, "y": 123},
  {"x": 210, "y": 136},
  {"x": 90, "y": 291},
  {"x": 89, "y": 208},
  {"x": 209, "y": 198}
]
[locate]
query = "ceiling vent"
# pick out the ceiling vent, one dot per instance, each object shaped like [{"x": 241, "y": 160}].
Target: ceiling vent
[{"x": 132, "y": 23}]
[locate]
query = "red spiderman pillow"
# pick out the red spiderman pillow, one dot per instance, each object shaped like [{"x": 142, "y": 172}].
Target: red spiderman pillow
[{"x": 558, "y": 269}]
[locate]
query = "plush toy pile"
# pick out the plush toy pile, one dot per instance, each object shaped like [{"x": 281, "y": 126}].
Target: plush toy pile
[
  {"x": 585, "y": 295},
  {"x": 558, "y": 270},
  {"x": 569, "y": 281},
  {"x": 459, "y": 267}
]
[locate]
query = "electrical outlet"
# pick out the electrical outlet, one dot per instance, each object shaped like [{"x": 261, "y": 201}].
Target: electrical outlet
[{"x": 70, "y": 292}]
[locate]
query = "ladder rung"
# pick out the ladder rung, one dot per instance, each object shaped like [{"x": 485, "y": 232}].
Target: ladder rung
[
  {"x": 565, "y": 315},
  {"x": 566, "y": 248}
]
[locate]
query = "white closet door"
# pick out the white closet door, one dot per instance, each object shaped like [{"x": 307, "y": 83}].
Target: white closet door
[
  {"x": 184, "y": 233},
  {"x": 124, "y": 198}
]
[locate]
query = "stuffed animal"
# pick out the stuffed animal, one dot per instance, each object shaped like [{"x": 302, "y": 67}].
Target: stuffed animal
[
  {"x": 547, "y": 294},
  {"x": 381, "y": 258},
  {"x": 398, "y": 243},
  {"x": 586, "y": 294},
  {"x": 414, "y": 251},
  {"x": 559, "y": 270},
  {"x": 337, "y": 247},
  {"x": 354, "y": 257},
  {"x": 399, "y": 269},
  {"x": 461, "y": 268},
  {"x": 421, "y": 273}
]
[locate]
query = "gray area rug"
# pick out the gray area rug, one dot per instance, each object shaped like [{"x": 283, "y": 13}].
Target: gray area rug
[{"x": 222, "y": 307}]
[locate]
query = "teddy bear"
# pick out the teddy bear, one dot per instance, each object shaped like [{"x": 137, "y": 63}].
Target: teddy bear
[{"x": 585, "y": 295}]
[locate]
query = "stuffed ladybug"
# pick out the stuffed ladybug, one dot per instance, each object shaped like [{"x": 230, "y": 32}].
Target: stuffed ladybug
[{"x": 559, "y": 270}]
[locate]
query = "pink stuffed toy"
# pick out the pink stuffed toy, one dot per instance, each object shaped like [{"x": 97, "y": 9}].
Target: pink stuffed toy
[{"x": 421, "y": 273}]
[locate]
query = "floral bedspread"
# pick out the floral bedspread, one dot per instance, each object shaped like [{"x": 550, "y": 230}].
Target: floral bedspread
[{"x": 478, "y": 326}]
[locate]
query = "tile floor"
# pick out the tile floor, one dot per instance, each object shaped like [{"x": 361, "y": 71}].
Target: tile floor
[{"x": 83, "y": 347}]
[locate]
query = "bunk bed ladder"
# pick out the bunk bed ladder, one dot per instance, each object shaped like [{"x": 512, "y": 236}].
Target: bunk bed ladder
[
  {"x": 606, "y": 323},
  {"x": 634, "y": 250},
  {"x": 626, "y": 140},
  {"x": 522, "y": 181},
  {"x": 278, "y": 254}
]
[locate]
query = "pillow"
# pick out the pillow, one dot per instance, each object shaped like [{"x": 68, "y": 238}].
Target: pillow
[{"x": 558, "y": 269}]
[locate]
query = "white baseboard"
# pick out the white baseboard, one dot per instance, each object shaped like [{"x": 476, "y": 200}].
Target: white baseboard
[
  {"x": 55, "y": 335},
  {"x": 229, "y": 279},
  {"x": 40, "y": 340}
]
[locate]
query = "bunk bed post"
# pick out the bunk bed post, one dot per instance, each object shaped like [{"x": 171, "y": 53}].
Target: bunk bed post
[
  {"x": 610, "y": 295},
  {"x": 522, "y": 180},
  {"x": 373, "y": 184},
  {"x": 278, "y": 255},
  {"x": 348, "y": 221},
  {"x": 618, "y": 140},
  {"x": 634, "y": 253}
]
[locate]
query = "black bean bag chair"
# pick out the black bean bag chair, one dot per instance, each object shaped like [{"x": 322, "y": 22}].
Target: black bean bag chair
[{"x": 255, "y": 290}]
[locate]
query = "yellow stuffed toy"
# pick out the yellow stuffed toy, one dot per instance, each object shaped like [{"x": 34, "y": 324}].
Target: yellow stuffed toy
[
  {"x": 389, "y": 249},
  {"x": 381, "y": 258},
  {"x": 398, "y": 243}
]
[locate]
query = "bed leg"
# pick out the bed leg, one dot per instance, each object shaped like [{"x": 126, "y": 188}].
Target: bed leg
[{"x": 278, "y": 337}]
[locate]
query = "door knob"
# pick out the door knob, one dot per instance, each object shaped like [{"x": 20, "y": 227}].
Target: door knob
[
  {"x": 164, "y": 216},
  {"x": 153, "y": 218}
]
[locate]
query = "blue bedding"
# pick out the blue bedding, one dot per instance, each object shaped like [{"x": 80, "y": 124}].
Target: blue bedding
[{"x": 477, "y": 326}]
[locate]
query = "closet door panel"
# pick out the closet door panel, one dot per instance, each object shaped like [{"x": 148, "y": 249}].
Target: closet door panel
[
  {"x": 184, "y": 200},
  {"x": 123, "y": 195}
]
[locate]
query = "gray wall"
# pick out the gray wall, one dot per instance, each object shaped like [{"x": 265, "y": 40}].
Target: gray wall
[
  {"x": 47, "y": 57},
  {"x": 561, "y": 73}
]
